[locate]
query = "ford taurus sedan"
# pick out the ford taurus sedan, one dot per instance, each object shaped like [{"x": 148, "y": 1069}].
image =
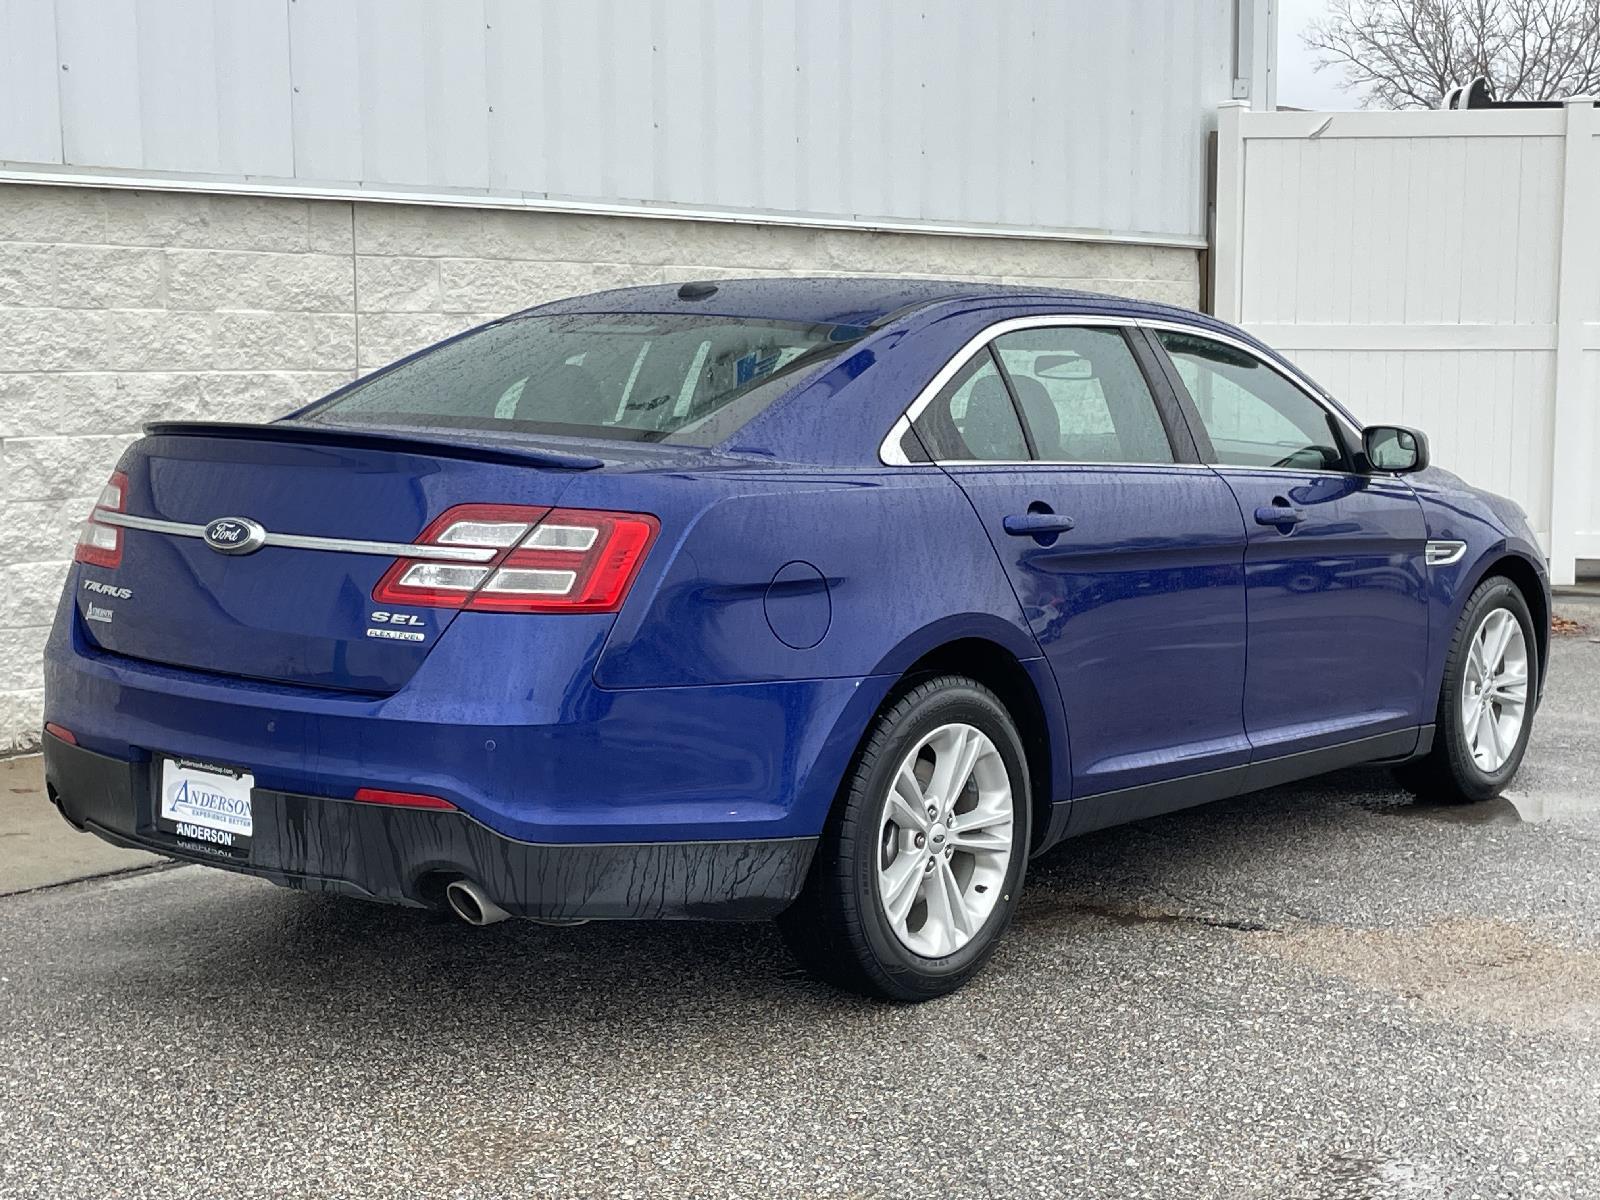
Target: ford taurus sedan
[{"x": 829, "y": 601}]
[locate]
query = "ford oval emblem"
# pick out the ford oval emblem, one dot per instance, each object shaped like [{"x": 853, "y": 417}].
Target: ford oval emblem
[{"x": 235, "y": 535}]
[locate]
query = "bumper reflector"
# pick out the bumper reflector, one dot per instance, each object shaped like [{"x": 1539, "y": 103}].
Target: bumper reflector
[
  {"x": 402, "y": 799},
  {"x": 61, "y": 733}
]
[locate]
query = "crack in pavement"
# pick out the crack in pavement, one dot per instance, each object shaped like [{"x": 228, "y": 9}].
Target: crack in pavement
[
  {"x": 98, "y": 877},
  {"x": 1144, "y": 915}
]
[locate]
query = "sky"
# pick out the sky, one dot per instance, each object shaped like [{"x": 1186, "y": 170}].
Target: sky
[{"x": 1299, "y": 86}]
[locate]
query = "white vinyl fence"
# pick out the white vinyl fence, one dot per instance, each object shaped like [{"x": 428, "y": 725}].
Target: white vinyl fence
[{"x": 1438, "y": 269}]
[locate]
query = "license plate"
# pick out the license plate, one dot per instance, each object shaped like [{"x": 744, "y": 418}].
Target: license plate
[{"x": 206, "y": 803}]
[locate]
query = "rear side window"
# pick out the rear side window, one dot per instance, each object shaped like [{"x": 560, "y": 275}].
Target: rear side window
[
  {"x": 638, "y": 377},
  {"x": 1083, "y": 395},
  {"x": 972, "y": 417},
  {"x": 1253, "y": 415}
]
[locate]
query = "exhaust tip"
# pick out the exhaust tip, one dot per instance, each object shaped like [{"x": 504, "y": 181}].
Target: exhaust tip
[{"x": 469, "y": 902}]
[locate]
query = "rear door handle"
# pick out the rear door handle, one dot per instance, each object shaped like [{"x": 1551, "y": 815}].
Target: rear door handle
[
  {"x": 1279, "y": 513},
  {"x": 1036, "y": 524}
]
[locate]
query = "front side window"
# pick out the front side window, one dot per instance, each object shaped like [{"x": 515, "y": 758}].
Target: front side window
[
  {"x": 1254, "y": 416},
  {"x": 1083, "y": 395},
  {"x": 637, "y": 377},
  {"x": 972, "y": 417}
]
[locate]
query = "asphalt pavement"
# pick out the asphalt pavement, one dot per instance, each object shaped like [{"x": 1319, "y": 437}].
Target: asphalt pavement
[{"x": 1326, "y": 990}]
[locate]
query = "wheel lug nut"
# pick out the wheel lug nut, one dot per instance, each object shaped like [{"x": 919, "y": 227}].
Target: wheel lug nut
[
  {"x": 933, "y": 811},
  {"x": 929, "y": 867},
  {"x": 919, "y": 841}
]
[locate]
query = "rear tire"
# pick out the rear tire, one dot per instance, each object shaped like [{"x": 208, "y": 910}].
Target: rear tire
[
  {"x": 1477, "y": 746},
  {"x": 905, "y": 905}
]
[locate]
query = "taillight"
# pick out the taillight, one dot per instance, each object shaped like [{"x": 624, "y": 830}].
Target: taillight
[
  {"x": 99, "y": 544},
  {"x": 545, "y": 560}
]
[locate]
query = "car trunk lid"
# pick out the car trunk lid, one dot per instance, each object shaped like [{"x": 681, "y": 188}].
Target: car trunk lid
[{"x": 336, "y": 507}]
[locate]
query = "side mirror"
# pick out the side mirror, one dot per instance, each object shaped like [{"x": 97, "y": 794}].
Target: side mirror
[{"x": 1394, "y": 448}]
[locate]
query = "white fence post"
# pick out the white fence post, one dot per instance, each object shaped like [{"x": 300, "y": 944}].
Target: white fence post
[
  {"x": 1227, "y": 234},
  {"x": 1570, "y": 475}
]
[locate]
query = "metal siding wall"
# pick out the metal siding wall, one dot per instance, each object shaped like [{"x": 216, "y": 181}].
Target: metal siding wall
[
  {"x": 177, "y": 108},
  {"x": 1071, "y": 114},
  {"x": 255, "y": 113},
  {"x": 30, "y": 108},
  {"x": 514, "y": 53},
  {"x": 325, "y": 57},
  {"x": 98, "y": 42},
  {"x": 456, "y": 90}
]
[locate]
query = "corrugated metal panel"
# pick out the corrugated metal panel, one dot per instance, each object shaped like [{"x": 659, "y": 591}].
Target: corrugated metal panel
[
  {"x": 255, "y": 112},
  {"x": 1055, "y": 114},
  {"x": 30, "y": 107},
  {"x": 326, "y": 60},
  {"x": 179, "y": 67},
  {"x": 101, "y": 122}
]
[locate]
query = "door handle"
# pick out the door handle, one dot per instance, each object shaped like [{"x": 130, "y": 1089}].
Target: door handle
[
  {"x": 1279, "y": 513},
  {"x": 1037, "y": 524}
]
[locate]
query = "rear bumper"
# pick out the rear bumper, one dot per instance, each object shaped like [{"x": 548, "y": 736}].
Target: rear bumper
[
  {"x": 532, "y": 753},
  {"x": 404, "y": 856}
]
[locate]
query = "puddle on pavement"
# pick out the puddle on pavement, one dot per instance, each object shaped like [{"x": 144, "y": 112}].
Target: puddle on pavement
[
  {"x": 1513, "y": 808},
  {"x": 1462, "y": 969}
]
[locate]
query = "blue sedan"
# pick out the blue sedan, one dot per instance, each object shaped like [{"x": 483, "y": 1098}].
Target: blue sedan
[{"x": 833, "y": 601}]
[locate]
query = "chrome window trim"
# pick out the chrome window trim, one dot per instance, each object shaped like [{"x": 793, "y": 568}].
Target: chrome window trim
[
  {"x": 1293, "y": 472},
  {"x": 1080, "y": 464},
  {"x": 891, "y": 455},
  {"x": 299, "y": 541}
]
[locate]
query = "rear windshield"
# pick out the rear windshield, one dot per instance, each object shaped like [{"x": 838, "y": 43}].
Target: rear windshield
[{"x": 639, "y": 377}]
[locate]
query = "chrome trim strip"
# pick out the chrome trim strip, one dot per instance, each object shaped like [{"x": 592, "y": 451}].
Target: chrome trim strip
[
  {"x": 106, "y": 516},
  {"x": 298, "y": 541},
  {"x": 1288, "y": 472},
  {"x": 890, "y": 454},
  {"x": 1080, "y": 464},
  {"x": 467, "y": 554},
  {"x": 1443, "y": 552}
]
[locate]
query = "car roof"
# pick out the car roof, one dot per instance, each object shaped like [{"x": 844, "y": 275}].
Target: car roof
[{"x": 834, "y": 301}]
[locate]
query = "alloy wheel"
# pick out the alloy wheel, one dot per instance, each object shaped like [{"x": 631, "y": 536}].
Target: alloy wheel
[
  {"x": 944, "y": 842},
  {"x": 1494, "y": 695}
]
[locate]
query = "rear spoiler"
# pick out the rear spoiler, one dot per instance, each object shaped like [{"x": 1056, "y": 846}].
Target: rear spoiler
[{"x": 494, "y": 451}]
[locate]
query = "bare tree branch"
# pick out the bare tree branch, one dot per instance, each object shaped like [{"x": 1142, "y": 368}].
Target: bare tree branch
[{"x": 1408, "y": 53}]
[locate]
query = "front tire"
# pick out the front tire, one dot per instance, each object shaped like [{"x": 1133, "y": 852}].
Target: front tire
[
  {"x": 1486, "y": 704},
  {"x": 923, "y": 857}
]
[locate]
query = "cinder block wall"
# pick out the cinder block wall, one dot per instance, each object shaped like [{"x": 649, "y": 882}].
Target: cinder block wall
[{"x": 121, "y": 307}]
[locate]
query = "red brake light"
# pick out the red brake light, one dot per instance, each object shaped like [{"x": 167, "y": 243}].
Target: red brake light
[
  {"x": 532, "y": 560},
  {"x": 100, "y": 545}
]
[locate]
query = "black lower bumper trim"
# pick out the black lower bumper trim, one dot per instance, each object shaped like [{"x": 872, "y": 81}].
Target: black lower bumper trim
[{"x": 404, "y": 856}]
